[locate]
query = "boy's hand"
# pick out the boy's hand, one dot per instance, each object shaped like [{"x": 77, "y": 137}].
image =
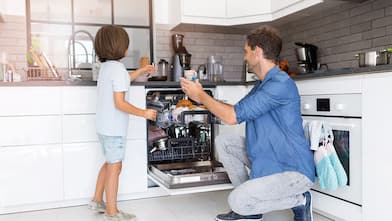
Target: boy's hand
[
  {"x": 150, "y": 114},
  {"x": 148, "y": 69}
]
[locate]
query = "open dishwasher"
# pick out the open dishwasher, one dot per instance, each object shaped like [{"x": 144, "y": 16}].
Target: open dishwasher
[{"x": 180, "y": 142}]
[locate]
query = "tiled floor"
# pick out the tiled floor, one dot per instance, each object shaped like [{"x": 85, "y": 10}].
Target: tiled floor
[{"x": 190, "y": 207}]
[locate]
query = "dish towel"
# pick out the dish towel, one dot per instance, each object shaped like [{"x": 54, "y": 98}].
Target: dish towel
[
  {"x": 329, "y": 170},
  {"x": 333, "y": 157}
]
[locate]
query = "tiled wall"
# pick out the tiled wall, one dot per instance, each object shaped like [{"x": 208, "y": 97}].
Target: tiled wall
[
  {"x": 342, "y": 32},
  {"x": 202, "y": 42},
  {"x": 13, "y": 40}
]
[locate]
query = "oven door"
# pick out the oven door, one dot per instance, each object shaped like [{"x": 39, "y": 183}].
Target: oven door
[{"x": 347, "y": 143}]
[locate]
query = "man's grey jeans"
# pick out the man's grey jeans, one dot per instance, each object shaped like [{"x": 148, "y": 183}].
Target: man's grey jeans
[{"x": 260, "y": 195}]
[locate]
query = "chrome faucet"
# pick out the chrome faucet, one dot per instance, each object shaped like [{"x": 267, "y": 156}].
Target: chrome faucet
[{"x": 72, "y": 56}]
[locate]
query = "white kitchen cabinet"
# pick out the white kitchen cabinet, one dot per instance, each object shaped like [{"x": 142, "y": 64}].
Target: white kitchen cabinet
[
  {"x": 16, "y": 101},
  {"x": 231, "y": 95},
  {"x": 30, "y": 174},
  {"x": 204, "y": 8},
  {"x": 79, "y": 128},
  {"x": 29, "y": 130},
  {"x": 82, "y": 162},
  {"x": 232, "y": 12},
  {"x": 133, "y": 178},
  {"x": 79, "y": 100},
  {"x": 137, "y": 125},
  {"x": 377, "y": 150},
  {"x": 243, "y": 8}
]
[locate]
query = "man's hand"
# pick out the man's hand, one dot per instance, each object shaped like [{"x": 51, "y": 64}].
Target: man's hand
[{"x": 193, "y": 89}]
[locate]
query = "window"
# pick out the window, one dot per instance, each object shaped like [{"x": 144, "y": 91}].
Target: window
[{"x": 65, "y": 29}]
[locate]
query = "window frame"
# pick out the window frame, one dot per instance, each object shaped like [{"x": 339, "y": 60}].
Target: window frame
[{"x": 73, "y": 24}]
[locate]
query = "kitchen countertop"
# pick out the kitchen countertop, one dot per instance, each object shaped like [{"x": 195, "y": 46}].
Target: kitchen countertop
[
  {"x": 148, "y": 84},
  {"x": 172, "y": 84},
  {"x": 344, "y": 72}
]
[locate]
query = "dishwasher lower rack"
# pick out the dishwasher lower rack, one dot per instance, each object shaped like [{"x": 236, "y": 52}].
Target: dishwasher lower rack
[
  {"x": 189, "y": 174},
  {"x": 182, "y": 149}
]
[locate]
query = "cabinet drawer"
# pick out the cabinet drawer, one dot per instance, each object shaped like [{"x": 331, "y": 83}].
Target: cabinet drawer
[
  {"x": 28, "y": 130},
  {"x": 30, "y": 174},
  {"x": 79, "y": 128},
  {"x": 79, "y": 100},
  {"x": 30, "y": 101}
]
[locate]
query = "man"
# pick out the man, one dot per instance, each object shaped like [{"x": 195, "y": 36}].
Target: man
[{"x": 280, "y": 160}]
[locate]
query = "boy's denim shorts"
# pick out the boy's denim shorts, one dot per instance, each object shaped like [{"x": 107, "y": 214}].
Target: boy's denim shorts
[{"x": 113, "y": 148}]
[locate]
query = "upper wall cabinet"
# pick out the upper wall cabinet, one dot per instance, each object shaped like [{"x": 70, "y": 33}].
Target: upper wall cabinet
[{"x": 233, "y": 12}]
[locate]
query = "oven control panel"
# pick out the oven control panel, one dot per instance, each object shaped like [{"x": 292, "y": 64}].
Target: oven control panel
[{"x": 332, "y": 105}]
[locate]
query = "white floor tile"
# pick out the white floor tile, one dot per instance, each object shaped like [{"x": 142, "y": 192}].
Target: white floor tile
[{"x": 190, "y": 207}]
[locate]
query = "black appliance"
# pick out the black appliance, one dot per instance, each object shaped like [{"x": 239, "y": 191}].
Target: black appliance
[
  {"x": 181, "y": 57},
  {"x": 306, "y": 57}
]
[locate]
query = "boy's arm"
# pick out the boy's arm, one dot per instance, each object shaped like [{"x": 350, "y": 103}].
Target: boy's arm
[
  {"x": 144, "y": 70},
  {"x": 123, "y": 105}
]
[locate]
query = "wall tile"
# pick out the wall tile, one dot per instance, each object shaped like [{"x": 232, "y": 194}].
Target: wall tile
[{"x": 341, "y": 32}]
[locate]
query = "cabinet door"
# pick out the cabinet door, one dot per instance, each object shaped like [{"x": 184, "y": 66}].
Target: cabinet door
[
  {"x": 30, "y": 174},
  {"x": 137, "y": 125},
  {"x": 30, "y": 101},
  {"x": 82, "y": 162},
  {"x": 242, "y": 8},
  {"x": 28, "y": 130},
  {"x": 79, "y": 100},
  {"x": 231, "y": 95},
  {"x": 133, "y": 177},
  {"x": 204, "y": 8},
  {"x": 79, "y": 128}
]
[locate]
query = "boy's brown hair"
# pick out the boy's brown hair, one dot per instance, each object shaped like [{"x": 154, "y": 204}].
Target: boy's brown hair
[{"x": 111, "y": 42}]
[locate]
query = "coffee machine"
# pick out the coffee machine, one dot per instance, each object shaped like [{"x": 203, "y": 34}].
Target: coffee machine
[
  {"x": 306, "y": 57},
  {"x": 181, "y": 58}
]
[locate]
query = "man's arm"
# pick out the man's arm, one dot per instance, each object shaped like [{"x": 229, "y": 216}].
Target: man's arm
[{"x": 223, "y": 111}]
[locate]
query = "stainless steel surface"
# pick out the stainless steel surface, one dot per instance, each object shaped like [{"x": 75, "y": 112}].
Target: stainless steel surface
[
  {"x": 301, "y": 54},
  {"x": 382, "y": 58},
  {"x": 190, "y": 174}
]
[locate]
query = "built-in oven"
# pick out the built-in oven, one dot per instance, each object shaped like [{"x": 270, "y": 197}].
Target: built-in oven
[
  {"x": 343, "y": 113},
  {"x": 180, "y": 143}
]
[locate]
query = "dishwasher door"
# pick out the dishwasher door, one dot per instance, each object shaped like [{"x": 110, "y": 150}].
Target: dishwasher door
[{"x": 190, "y": 174}]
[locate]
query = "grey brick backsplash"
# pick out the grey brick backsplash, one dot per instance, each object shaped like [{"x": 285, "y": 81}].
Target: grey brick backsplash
[
  {"x": 362, "y": 9},
  {"x": 375, "y": 33},
  {"x": 382, "y": 22},
  {"x": 377, "y": 4},
  {"x": 388, "y": 11},
  {"x": 384, "y": 41},
  {"x": 362, "y": 27}
]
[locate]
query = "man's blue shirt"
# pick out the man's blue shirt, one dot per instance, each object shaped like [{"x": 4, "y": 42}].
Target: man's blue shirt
[{"x": 274, "y": 135}]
